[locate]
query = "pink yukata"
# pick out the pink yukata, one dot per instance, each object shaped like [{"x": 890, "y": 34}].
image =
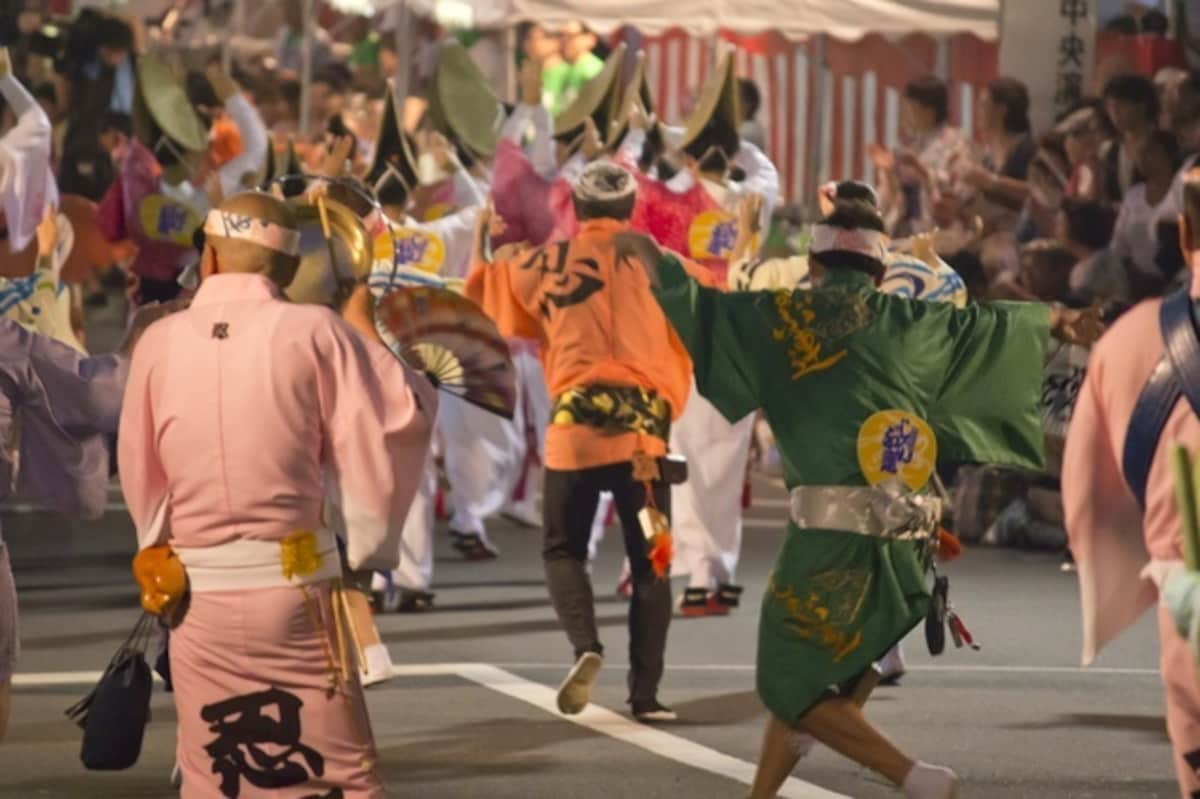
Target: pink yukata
[
  {"x": 236, "y": 413},
  {"x": 1116, "y": 545}
]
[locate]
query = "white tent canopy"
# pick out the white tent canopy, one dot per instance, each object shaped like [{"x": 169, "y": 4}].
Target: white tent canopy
[{"x": 795, "y": 19}]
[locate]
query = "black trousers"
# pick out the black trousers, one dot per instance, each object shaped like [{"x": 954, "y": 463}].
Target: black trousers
[{"x": 568, "y": 508}]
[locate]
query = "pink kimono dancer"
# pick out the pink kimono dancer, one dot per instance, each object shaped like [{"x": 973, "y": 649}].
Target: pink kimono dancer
[{"x": 268, "y": 698}]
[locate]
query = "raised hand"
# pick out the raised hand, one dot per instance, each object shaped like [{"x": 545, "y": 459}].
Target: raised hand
[
  {"x": 531, "y": 82},
  {"x": 47, "y": 232}
]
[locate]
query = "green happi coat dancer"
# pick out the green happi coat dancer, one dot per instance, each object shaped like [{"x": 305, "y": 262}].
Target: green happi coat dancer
[{"x": 861, "y": 389}]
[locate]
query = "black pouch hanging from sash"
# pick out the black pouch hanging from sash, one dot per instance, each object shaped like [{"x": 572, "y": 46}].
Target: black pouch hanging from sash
[{"x": 114, "y": 715}]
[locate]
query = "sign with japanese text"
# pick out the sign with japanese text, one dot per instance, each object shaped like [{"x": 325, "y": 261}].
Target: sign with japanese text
[{"x": 1050, "y": 46}]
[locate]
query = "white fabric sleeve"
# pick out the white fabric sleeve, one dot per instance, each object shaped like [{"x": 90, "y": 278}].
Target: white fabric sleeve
[
  {"x": 466, "y": 190},
  {"x": 254, "y": 144},
  {"x": 26, "y": 179},
  {"x": 457, "y": 232},
  {"x": 517, "y": 123},
  {"x": 573, "y": 168},
  {"x": 630, "y": 151},
  {"x": 541, "y": 153},
  {"x": 761, "y": 178}
]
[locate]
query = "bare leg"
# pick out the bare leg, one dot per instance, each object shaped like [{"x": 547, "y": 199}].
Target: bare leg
[
  {"x": 778, "y": 758},
  {"x": 4, "y": 694},
  {"x": 840, "y": 724}
]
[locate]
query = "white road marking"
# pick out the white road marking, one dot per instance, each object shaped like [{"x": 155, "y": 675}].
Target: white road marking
[
  {"x": 653, "y": 740},
  {"x": 1131, "y": 672},
  {"x": 37, "y": 679},
  {"x": 594, "y": 718}
]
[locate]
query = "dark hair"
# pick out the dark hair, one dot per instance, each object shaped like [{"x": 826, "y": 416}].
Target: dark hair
[
  {"x": 749, "y": 97},
  {"x": 118, "y": 121},
  {"x": 715, "y": 147},
  {"x": 856, "y": 191},
  {"x": 392, "y": 192},
  {"x": 338, "y": 76},
  {"x": 1123, "y": 24},
  {"x": 1135, "y": 89},
  {"x": 113, "y": 33},
  {"x": 1089, "y": 223},
  {"x": 200, "y": 91},
  {"x": 1013, "y": 97},
  {"x": 931, "y": 92},
  {"x": 1155, "y": 22},
  {"x": 852, "y": 215},
  {"x": 620, "y": 209}
]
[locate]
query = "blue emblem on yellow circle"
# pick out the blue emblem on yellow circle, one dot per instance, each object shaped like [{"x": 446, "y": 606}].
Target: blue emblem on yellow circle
[
  {"x": 164, "y": 219},
  {"x": 409, "y": 247},
  {"x": 896, "y": 445}
]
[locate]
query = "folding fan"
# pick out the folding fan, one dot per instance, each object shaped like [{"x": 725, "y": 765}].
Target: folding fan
[{"x": 453, "y": 342}]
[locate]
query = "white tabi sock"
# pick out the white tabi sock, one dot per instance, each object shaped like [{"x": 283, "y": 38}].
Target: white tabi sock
[
  {"x": 378, "y": 661},
  {"x": 930, "y": 782}
]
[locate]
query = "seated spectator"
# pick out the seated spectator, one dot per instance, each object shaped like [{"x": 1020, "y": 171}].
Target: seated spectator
[
  {"x": 915, "y": 179},
  {"x": 1131, "y": 103},
  {"x": 1008, "y": 145},
  {"x": 1135, "y": 234},
  {"x": 1098, "y": 277},
  {"x": 1044, "y": 276}
]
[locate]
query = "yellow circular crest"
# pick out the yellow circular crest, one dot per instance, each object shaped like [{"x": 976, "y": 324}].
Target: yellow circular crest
[
  {"x": 897, "y": 445},
  {"x": 164, "y": 219},
  {"x": 712, "y": 234},
  {"x": 417, "y": 249}
]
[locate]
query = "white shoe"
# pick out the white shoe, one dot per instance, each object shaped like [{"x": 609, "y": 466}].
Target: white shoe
[
  {"x": 378, "y": 665},
  {"x": 930, "y": 782},
  {"x": 891, "y": 668},
  {"x": 576, "y": 690}
]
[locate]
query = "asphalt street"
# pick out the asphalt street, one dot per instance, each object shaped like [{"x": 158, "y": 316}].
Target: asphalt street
[{"x": 471, "y": 713}]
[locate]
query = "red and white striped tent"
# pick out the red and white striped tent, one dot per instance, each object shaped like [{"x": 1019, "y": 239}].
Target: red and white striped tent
[
  {"x": 830, "y": 71},
  {"x": 825, "y": 100}
]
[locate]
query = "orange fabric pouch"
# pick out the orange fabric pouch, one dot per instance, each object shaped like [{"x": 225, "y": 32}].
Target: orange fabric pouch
[{"x": 162, "y": 579}]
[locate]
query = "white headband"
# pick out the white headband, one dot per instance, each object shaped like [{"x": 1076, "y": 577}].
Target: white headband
[
  {"x": 257, "y": 231},
  {"x": 827, "y": 238}
]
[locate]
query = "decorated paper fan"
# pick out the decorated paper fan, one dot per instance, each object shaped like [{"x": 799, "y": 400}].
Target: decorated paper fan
[{"x": 450, "y": 338}]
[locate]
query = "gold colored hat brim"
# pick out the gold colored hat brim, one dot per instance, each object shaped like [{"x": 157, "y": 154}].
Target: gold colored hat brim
[
  {"x": 718, "y": 100},
  {"x": 597, "y": 99},
  {"x": 463, "y": 104},
  {"x": 161, "y": 106}
]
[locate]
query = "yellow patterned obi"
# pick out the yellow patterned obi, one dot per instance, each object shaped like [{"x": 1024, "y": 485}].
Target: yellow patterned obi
[{"x": 614, "y": 410}]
